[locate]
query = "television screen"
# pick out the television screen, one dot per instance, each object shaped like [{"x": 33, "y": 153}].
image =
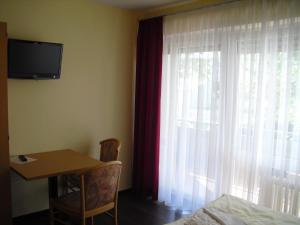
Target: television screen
[{"x": 34, "y": 60}]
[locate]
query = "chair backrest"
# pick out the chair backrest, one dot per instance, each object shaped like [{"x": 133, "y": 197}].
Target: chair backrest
[
  {"x": 109, "y": 150},
  {"x": 101, "y": 185}
]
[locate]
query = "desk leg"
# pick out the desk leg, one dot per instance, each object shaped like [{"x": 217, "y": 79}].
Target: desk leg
[
  {"x": 53, "y": 194},
  {"x": 52, "y": 187}
]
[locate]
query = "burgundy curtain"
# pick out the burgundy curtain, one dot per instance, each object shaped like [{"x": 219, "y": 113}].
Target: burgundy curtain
[{"x": 147, "y": 107}]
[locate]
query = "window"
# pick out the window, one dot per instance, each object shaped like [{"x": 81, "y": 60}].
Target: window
[{"x": 230, "y": 109}]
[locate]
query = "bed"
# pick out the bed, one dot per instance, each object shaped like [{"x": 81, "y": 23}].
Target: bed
[{"x": 229, "y": 210}]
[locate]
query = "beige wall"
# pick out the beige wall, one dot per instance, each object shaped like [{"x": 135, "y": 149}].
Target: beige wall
[{"x": 91, "y": 101}]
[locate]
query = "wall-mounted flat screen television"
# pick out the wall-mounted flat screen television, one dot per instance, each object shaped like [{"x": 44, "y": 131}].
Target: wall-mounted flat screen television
[{"x": 34, "y": 59}]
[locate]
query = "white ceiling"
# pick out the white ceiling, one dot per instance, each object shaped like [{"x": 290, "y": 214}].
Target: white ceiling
[{"x": 138, "y": 4}]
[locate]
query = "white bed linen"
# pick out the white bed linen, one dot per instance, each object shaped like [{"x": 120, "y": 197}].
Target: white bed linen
[{"x": 249, "y": 213}]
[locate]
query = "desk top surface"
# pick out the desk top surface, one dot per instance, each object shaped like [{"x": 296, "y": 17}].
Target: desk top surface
[{"x": 54, "y": 163}]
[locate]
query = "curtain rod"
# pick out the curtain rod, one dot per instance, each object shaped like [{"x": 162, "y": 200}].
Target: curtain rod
[{"x": 193, "y": 9}]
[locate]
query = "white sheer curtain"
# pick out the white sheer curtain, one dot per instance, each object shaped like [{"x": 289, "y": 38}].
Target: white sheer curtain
[{"x": 230, "y": 115}]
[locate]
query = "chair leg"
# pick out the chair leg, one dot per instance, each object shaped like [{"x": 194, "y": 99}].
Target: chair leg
[
  {"x": 116, "y": 215},
  {"x": 92, "y": 220},
  {"x": 83, "y": 221}
]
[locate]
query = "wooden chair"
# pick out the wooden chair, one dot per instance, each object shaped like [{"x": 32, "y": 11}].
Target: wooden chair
[
  {"x": 98, "y": 194},
  {"x": 109, "y": 151}
]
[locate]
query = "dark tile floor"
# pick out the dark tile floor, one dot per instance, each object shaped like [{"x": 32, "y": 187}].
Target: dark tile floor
[{"x": 132, "y": 211}]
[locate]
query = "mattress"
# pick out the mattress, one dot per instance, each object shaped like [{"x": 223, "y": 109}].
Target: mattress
[{"x": 229, "y": 210}]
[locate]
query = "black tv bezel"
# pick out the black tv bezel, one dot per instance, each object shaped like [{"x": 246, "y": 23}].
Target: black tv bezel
[{"x": 36, "y": 76}]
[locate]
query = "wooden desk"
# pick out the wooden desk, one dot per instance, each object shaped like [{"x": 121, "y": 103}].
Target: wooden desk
[{"x": 52, "y": 164}]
